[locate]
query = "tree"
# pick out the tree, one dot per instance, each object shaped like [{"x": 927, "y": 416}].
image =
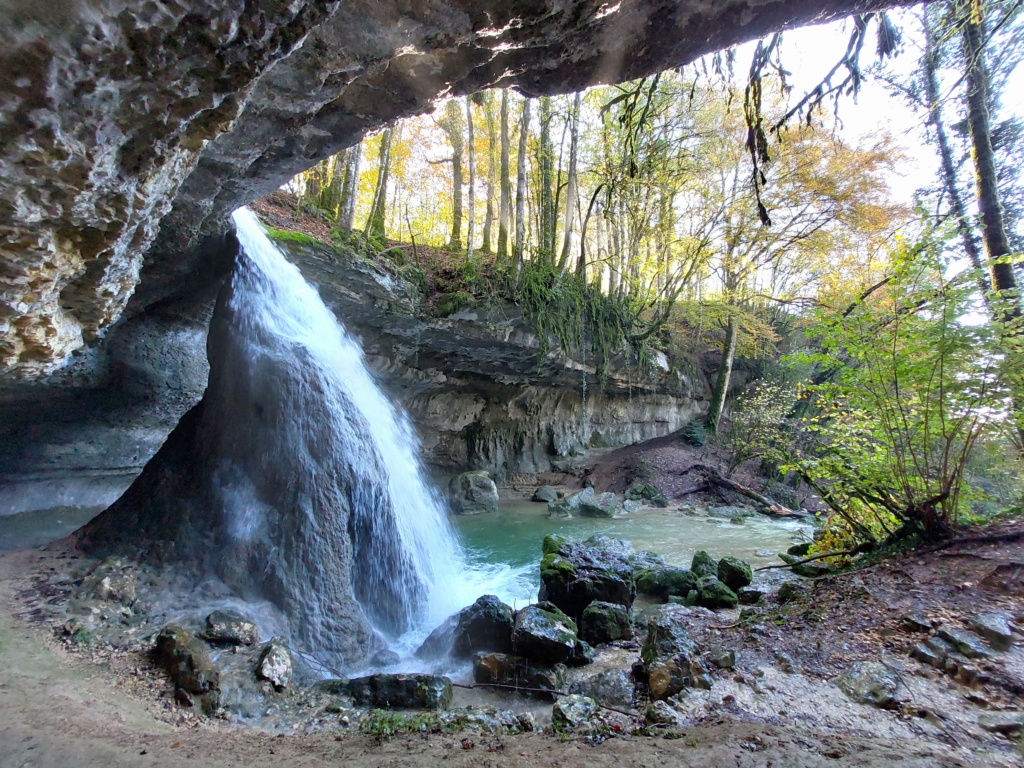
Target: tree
[
  {"x": 350, "y": 187},
  {"x": 572, "y": 183},
  {"x": 524, "y": 129},
  {"x": 472, "y": 179},
  {"x": 492, "y": 169},
  {"x": 375, "y": 223},
  {"x": 505, "y": 202},
  {"x": 546, "y": 161},
  {"x": 451, "y": 123}
]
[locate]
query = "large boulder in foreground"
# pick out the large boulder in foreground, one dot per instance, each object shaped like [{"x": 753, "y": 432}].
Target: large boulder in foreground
[
  {"x": 605, "y": 622},
  {"x": 473, "y": 493},
  {"x": 401, "y": 691},
  {"x": 545, "y": 635},
  {"x": 486, "y": 625},
  {"x": 574, "y": 575},
  {"x": 666, "y": 581},
  {"x": 671, "y": 657}
]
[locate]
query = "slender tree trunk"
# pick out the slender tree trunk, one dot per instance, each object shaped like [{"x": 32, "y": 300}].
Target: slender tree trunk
[
  {"x": 724, "y": 374},
  {"x": 452, "y": 125},
  {"x": 956, "y": 203},
  {"x": 547, "y": 167},
  {"x": 492, "y": 170},
  {"x": 375, "y": 224},
  {"x": 571, "y": 191},
  {"x": 524, "y": 129},
  {"x": 332, "y": 194},
  {"x": 505, "y": 202},
  {"x": 472, "y": 179},
  {"x": 314, "y": 187},
  {"x": 350, "y": 188},
  {"x": 1006, "y": 297}
]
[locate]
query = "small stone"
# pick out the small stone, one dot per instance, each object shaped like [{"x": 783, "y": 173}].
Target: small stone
[
  {"x": 926, "y": 654},
  {"x": 963, "y": 642},
  {"x": 786, "y": 663},
  {"x": 1002, "y": 722},
  {"x": 527, "y": 722},
  {"x": 275, "y": 664},
  {"x": 661, "y": 713},
  {"x": 915, "y": 622},
  {"x": 868, "y": 682},
  {"x": 230, "y": 627},
  {"x": 995, "y": 629},
  {"x": 723, "y": 659},
  {"x": 572, "y": 710}
]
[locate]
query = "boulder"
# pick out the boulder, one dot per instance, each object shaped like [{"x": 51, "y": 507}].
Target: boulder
[
  {"x": 800, "y": 550},
  {"x": 646, "y": 492},
  {"x": 517, "y": 672},
  {"x": 614, "y": 687},
  {"x": 661, "y": 713},
  {"x": 473, "y": 493},
  {"x": 576, "y": 575},
  {"x": 545, "y": 493},
  {"x": 591, "y": 504},
  {"x": 722, "y": 658},
  {"x": 704, "y": 564},
  {"x": 604, "y": 622},
  {"x": 714, "y": 594},
  {"x": 545, "y": 635},
  {"x": 665, "y": 581},
  {"x": 671, "y": 657},
  {"x": 275, "y": 664},
  {"x": 401, "y": 691},
  {"x": 734, "y": 573},
  {"x": 868, "y": 682},
  {"x": 963, "y": 642},
  {"x": 231, "y": 628},
  {"x": 186, "y": 659},
  {"x": 552, "y": 544},
  {"x": 486, "y": 625},
  {"x": 571, "y": 711},
  {"x": 749, "y": 595}
]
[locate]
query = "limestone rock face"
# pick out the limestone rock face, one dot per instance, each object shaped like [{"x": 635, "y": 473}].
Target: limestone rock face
[{"x": 122, "y": 122}]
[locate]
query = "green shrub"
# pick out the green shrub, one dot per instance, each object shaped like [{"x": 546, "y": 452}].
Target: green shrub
[{"x": 693, "y": 433}]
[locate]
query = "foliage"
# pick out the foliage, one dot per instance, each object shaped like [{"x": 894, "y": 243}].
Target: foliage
[
  {"x": 760, "y": 427},
  {"x": 384, "y": 724},
  {"x": 912, "y": 384},
  {"x": 693, "y": 433},
  {"x": 291, "y": 236}
]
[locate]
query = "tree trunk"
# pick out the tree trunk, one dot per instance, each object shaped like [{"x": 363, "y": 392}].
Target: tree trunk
[
  {"x": 332, "y": 194},
  {"x": 492, "y": 171},
  {"x": 547, "y": 167},
  {"x": 452, "y": 125},
  {"x": 571, "y": 184},
  {"x": 524, "y": 128},
  {"x": 505, "y": 203},
  {"x": 375, "y": 226},
  {"x": 934, "y": 104},
  {"x": 724, "y": 374},
  {"x": 350, "y": 188},
  {"x": 472, "y": 179}
]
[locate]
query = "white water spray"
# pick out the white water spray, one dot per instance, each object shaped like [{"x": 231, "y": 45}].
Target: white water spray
[{"x": 410, "y": 572}]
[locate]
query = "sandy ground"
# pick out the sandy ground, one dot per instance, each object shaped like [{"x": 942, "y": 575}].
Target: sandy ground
[{"x": 58, "y": 709}]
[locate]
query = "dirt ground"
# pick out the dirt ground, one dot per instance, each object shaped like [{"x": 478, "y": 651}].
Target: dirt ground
[{"x": 60, "y": 709}]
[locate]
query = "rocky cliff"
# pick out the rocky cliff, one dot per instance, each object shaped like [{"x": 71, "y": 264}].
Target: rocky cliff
[{"x": 130, "y": 130}]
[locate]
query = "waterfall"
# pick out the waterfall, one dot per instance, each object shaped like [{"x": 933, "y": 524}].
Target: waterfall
[{"x": 334, "y": 434}]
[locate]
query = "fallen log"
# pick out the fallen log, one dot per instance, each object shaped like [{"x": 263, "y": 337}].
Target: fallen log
[{"x": 764, "y": 504}]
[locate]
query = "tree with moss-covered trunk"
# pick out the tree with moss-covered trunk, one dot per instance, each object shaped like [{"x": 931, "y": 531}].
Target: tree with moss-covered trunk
[{"x": 375, "y": 224}]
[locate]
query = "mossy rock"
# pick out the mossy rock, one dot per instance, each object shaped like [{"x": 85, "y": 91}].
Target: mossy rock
[
  {"x": 452, "y": 302},
  {"x": 734, "y": 573},
  {"x": 552, "y": 544},
  {"x": 646, "y": 492},
  {"x": 715, "y": 594},
  {"x": 666, "y": 582},
  {"x": 604, "y": 622},
  {"x": 704, "y": 564},
  {"x": 554, "y": 565}
]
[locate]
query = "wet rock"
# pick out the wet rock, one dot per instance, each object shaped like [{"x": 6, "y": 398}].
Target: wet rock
[
  {"x": 545, "y": 635},
  {"x": 932, "y": 651},
  {"x": 731, "y": 512},
  {"x": 786, "y": 663},
  {"x": 545, "y": 493},
  {"x": 552, "y": 544},
  {"x": 704, "y": 564},
  {"x": 995, "y": 628},
  {"x": 811, "y": 570},
  {"x": 722, "y": 658},
  {"x": 800, "y": 550},
  {"x": 275, "y": 664},
  {"x": 593, "y": 504},
  {"x": 604, "y": 622},
  {"x": 868, "y": 682},
  {"x": 473, "y": 493},
  {"x": 401, "y": 691},
  {"x": 790, "y": 592},
  {"x": 527, "y": 722},
  {"x": 503, "y": 669},
  {"x": 113, "y": 581},
  {"x": 576, "y": 575},
  {"x": 639, "y": 491},
  {"x": 1006, "y": 723},
  {"x": 714, "y": 594},
  {"x": 629, "y": 507},
  {"x": 186, "y": 659},
  {"x": 645, "y": 560},
  {"x": 385, "y": 657},
  {"x": 230, "y": 627},
  {"x": 661, "y": 713},
  {"x": 571, "y": 711},
  {"x": 486, "y": 625},
  {"x": 765, "y": 553},
  {"x": 672, "y": 659},
  {"x": 964, "y": 642},
  {"x": 734, "y": 573},
  {"x": 665, "y": 581},
  {"x": 916, "y": 623},
  {"x": 749, "y": 595},
  {"x": 614, "y": 687}
]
